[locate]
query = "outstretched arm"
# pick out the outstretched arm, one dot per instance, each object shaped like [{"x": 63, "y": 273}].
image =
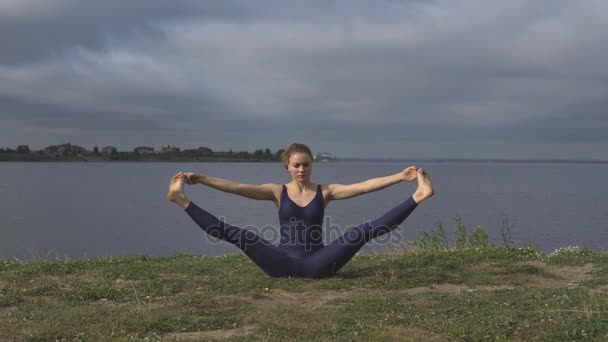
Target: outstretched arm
[
  {"x": 341, "y": 191},
  {"x": 258, "y": 192}
]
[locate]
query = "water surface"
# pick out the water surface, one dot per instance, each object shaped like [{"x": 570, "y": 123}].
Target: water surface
[{"x": 79, "y": 210}]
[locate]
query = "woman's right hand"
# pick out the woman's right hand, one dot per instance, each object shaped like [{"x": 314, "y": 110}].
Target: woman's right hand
[
  {"x": 409, "y": 174},
  {"x": 191, "y": 178}
]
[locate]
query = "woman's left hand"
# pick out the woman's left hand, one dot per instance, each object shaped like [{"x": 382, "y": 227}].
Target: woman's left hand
[{"x": 409, "y": 174}]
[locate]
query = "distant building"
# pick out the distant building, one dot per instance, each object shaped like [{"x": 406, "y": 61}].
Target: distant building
[
  {"x": 204, "y": 150},
  {"x": 50, "y": 149},
  {"x": 70, "y": 149},
  {"x": 23, "y": 149},
  {"x": 324, "y": 157},
  {"x": 143, "y": 150},
  {"x": 64, "y": 149},
  {"x": 109, "y": 150},
  {"x": 169, "y": 149},
  {"x": 201, "y": 151}
]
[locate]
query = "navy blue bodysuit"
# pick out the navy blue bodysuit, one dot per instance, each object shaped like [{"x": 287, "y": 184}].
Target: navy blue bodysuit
[{"x": 301, "y": 252}]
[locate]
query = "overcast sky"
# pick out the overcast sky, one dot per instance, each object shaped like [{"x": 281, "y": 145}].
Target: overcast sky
[{"x": 406, "y": 79}]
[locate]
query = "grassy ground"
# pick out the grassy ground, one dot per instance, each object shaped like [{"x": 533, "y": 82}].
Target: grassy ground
[{"x": 468, "y": 294}]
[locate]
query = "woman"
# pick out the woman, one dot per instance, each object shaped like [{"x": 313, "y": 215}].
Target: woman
[{"x": 301, "y": 205}]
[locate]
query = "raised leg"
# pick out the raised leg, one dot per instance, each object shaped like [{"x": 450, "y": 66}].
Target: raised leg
[
  {"x": 267, "y": 256},
  {"x": 331, "y": 258}
]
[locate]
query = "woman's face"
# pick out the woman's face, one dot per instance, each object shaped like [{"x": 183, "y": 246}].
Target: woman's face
[{"x": 300, "y": 166}]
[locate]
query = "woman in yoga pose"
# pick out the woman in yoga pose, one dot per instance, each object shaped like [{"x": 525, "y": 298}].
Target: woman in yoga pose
[{"x": 301, "y": 205}]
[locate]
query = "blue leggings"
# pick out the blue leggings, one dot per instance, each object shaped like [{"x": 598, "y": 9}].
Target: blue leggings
[{"x": 321, "y": 263}]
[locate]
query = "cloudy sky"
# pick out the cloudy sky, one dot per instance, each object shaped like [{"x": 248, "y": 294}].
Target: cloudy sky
[{"x": 407, "y": 79}]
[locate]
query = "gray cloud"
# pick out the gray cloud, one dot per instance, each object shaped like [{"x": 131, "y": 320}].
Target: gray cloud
[{"x": 452, "y": 79}]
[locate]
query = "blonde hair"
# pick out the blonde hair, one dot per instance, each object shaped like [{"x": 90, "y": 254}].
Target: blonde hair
[{"x": 294, "y": 148}]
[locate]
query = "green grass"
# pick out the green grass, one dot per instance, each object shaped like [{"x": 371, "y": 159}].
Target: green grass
[{"x": 466, "y": 293}]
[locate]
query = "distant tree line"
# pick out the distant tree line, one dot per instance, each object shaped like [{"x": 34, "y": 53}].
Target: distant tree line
[
  {"x": 69, "y": 152},
  {"x": 198, "y": 155},
  {"x": 20, "y": 149}
]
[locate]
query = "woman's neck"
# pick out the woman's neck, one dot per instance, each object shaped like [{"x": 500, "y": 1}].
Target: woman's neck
[{"x": 301, "y": 186}]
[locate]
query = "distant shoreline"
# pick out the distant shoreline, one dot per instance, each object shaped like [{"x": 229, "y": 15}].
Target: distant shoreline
[
  {"x": 337, "y": 160},
  {"x": 481, "y": 160}
]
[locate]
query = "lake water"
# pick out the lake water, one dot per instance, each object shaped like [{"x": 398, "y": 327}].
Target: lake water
[{"x": 81, "y": 210}]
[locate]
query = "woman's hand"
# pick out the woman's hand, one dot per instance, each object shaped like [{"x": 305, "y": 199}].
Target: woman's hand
[
  {"x": 191, "y": 177},
  {"x": 409, "y": 174}
]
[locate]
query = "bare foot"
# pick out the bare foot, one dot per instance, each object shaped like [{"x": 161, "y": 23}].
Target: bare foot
[
  {"x": 176, "y": 191},
  {"x": 425, "y": 187}
]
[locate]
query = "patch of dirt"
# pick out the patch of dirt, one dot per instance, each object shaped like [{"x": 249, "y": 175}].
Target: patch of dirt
[
  {"x": 61, "y": 282},
  {"x": 313, "y": 299},
  {"x": 213, "y": 334},
  {"x": 454, "y": 288},
  {"x": 85, "y": 277},
  {"x": 45, "y": 278},
  {"x": 122, "y": 283},
  {"x": 41, "y": 299},
  {"x": 277, "y": 297},
  {"x": 601, "y": 289},
  {"x": 132, "y": 305},
  {"x": 555, "y": 277},
  {"x": 5, "y": 311},
  {"x": 409, "y": 333},
  {"x": 480, "y": 268},
  {"x": 67, "y": 282},
  {"x": 565, "y": 276},
  {"x": 561, "y": 277}
]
